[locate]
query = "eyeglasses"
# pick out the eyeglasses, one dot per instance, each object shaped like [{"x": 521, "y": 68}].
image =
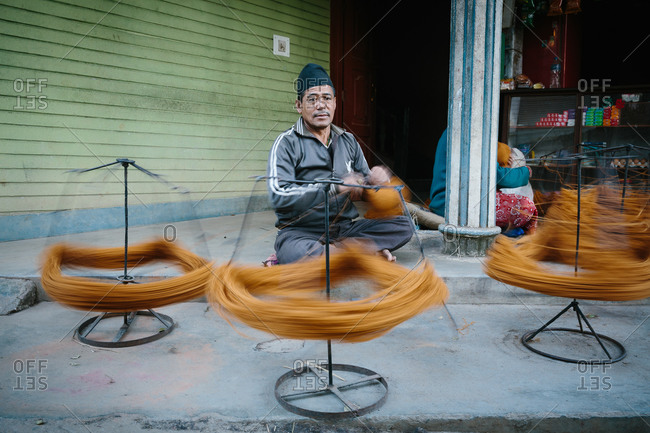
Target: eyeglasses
[{"x": 312, "y": 100}]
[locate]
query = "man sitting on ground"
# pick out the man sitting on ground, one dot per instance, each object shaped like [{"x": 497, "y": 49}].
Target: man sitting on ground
[{"x": 313, "y": 148}]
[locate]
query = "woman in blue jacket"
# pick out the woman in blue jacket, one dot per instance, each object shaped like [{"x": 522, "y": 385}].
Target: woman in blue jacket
[{"x": 515, "y": 214}]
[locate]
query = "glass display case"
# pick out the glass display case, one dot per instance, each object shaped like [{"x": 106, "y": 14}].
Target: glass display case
[{"x": 609, "y": 129}]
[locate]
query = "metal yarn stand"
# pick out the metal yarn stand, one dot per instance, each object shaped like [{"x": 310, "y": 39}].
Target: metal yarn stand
[
  {"x": 87, "y": 327},
  {"x": 528, "y": 337},
  {"x": 324, "y": 373}
]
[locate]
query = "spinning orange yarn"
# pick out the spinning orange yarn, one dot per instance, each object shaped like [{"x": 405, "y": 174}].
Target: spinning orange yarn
[
  {"x": 613, "y": 255},
  {"x": 288, "y": 300},
  {"x": 284, "y": 300},
  {"x": 86, "y": 294}
]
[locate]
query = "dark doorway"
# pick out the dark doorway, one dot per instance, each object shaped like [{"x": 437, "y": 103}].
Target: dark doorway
[
  {"x": 615, "y": 45},
  {"x": 389, "y": 61}
]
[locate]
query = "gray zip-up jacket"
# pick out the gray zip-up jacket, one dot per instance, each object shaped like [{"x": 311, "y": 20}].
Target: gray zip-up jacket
[{"x": 298, "y": 155}]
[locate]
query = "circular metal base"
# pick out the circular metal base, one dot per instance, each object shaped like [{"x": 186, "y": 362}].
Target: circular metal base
[
  {"x": 125, "y": 279},
  {"x": 312, "y": 382},
  {"x": 526, "y": 337},
  {"x": 86, "y": 327}
]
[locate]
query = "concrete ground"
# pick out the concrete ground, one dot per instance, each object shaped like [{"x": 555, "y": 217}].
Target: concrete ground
[{"x": 466, "y": 374}]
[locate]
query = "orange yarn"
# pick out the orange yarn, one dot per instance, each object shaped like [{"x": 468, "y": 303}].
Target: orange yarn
[
  {"x": 543, "y": 201},
  {"x": 86, "y": 294},
  {"x": 288, "y": 300},
  {"x": 385, "y": 202},
  {"x": 285, "y": 300},
  {"x": 613, "y": 255}
]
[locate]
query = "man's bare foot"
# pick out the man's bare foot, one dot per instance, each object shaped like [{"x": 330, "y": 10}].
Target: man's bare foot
[{"x": 388, "y": 255}]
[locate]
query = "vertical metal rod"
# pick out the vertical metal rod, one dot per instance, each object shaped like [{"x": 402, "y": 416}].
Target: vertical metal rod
[
  {"x": 126, "y": 217},
  {"x": 575, "y": 269},
  {"x": 327, "y": 277},
  {"x": 578, "y": 214},
  {"x": 627, "y": 165},
  {"x": 576, "y": 309},
  {"x": 647, "y": 184}
]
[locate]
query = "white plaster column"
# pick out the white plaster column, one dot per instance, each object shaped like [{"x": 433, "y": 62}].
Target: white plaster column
[{"x": 472, "y": 126}]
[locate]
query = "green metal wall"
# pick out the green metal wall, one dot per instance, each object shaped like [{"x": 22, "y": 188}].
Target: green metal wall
[{"x": 189, "y": 89}]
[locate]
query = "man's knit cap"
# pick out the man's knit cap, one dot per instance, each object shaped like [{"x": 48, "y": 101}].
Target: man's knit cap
[{"x": 312, "y": 75}]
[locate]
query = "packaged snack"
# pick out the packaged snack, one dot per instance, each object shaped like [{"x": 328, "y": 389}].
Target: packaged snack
[
  {"x": 523, "y": 82},
  {"x": 508, "y": 84}
]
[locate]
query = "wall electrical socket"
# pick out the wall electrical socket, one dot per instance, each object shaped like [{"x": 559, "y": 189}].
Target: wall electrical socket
[{"x": 281, "y": 45}]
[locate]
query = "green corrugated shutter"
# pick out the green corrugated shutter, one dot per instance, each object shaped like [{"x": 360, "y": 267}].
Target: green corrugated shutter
[{"x": 189, "y": 89}]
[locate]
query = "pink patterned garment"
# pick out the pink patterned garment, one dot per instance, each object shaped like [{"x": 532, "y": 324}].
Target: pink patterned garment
[{"x": 514, "y": 210}]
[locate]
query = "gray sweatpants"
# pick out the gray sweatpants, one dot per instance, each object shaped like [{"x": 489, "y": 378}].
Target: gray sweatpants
[{"x": 294, "y": 243}]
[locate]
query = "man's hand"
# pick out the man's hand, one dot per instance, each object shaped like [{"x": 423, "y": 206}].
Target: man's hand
[
  {"x": 352, "y": 179},
  {"x": 379, "y": 175}
]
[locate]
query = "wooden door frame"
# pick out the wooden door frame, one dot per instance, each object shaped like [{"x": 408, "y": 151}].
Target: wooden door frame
[
  {"x": 336, "y": 53},
  {"x": 341, "y": 13}
]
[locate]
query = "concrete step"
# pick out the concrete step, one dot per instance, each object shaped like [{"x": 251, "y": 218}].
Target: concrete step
[
  {"x": 16, "y": 294},
  {"x": 218, "y": 238},
  {"x": 128, "y": 423}
]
